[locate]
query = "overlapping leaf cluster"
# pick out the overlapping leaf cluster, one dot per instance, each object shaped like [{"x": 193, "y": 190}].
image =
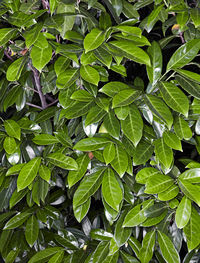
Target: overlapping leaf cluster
[{"x": 100, "y": 131}]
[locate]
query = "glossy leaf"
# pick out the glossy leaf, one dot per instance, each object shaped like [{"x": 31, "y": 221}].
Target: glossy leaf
[
  {"x": 32, "y": 230},
  {"x": 40, "y": 56},
  {"x": 62, "y": 161},
  {"x": 120, "y": 162},
  {"x": 183, "y": 212},
  {"x": 146, "y": 251},
  {"x": 93, "y": 39},
  {"x": 164, "y": 153}
]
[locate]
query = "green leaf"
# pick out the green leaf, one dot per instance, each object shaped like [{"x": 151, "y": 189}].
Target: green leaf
[
  {"x": 127, "y": 258},
  {"x": 112, "y": 124},
  {"x": 195, "y": 14},
  {"x": 90, "y": 74},
  {"x": 45, "y": 139},
  {"x": 91, "y": 144},
  {"x": 17, "y": 220},
  {"x": 160, "y": 109},
  {"x": 41, "y": 56},
  {"x": 32, "y": 35},
  {"x": 111, "y": 189},
  {"x": 75, "y": 176},
  {"x": 191, "y": 175},
  {"x": 182, "y": 129},
  {"x": 102, "y": 55},
  {"x": 87, "y": 187},
  {"x": 142, "y": 153},
  {"x": 136, "y": 215},
  {"x": 77, "y": 109},
  {"x": 113, "y": 87},
  {"x": 190, "y": 190},
  {"x": 189, "y": 75},
  {"x": 172, "y": 140},
  {"x": 67, "y": 78},
  {"x": 183, "y": 212},
  {"x": 32, "y": 230},
  {"x": 9, "y": 145},
  {"x": 174, "y": 97},
  {"x": 131, "y": 51},
  {"x": 81, "y": 211},
  {"x": 12, "y": 96},
  {"x": 45, "y": 173},
  {"x": 7, "y": 34},
  {"x": 45, "y": 114},
  {"x": 12, "y": 129},
  {"x": 15, "y": 169},
  {"x": 125, "y": 97},
  {"x": 62, "y": 161},
  {"x": 167, "y": 248},
  {"x": 61, "y": 64},
  {"x": 101, "y": 252},
  {"x": 163, "y": 152},
  {"x": 169, "y": 194},
  {"x": 122, "y": 112},
  {"x": 153, "y": 17},
  {"x": 45, "y": 254},
  {"x": 93, "y": 39},
  {"x": 146, "y": 251},
  {"x": 135, "y": 245},
  {"x": 94, "y": 115},
  {"x": 109, "y": 153},
  {"x": 28, "y": 173},
  {"x": 184, "y": 54},
  {"x": 53, "y": 5},
  {"x": 154, "y": 71},
  {"x": 132, "y": 126},
  {"x": 146, "y": 173},
  {"x": 191, "y": 230},
  {"x": 120, "y": 162},
  {"x": 155, "y": 210},
  {"x": 81, "y": 95},
  {"x": 121, "y": 234},
  {"x": 15, "y": 69},
  {"x": 190, "y": 86},
  {"x": 158, "y": 183}
]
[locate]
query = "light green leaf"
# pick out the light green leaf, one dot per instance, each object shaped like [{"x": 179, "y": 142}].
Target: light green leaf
[
  {"x": 158, "y": 183},
  {"x": 93, "y": 39},
  {"x": 45, "y": 254},
  {"x": 146, "y": 251},
  {"x": 57, "y": 258},
  {"x": 169, "y": 194},
  {"x": 81, "y": 211},
  {"x": 132, "y": 126},
  {"x": 190, "y": 86},
  {"x": 94, "y": 115},
  {"x": 41, "y": 56},
  {"x": 167, "y": 248},
  {"x": 15, "y": 69},
  {"x": 146, "y": 173},
  {"x": 142, "y": 153},
  {"x": 113, "y": 87},
  {"x": 45, "y": 173},
  {"x": 74, "y": 176},
  {"x": 191, "y": 175},
  {"x": 28, "y": 173},
  {"x": 109, "y": 153},
  {"x": 120, "y": 162},
  {"x": 7, "y": 34},
  {"x": 125, "y": 97},
  {"x": 163, "y": 152},
  {"x": 91, "y": 144},
  {"x": 12, "y": 129},
  {"x": 101, "y": 252},
  {"x": 32, "y": 230},
  {"x": 174, "y": 97},
  {"x": 184, "y": 54},
  {"x": 81, "y": 95},
  {"x": 183, "y": 212},
  {"x": 111, "y": 189},
  {"x": 32, "y": 35},
  {"x": 192, "y": 231},
  {"x": 88, "y": 186},
  {"x": 160, "y": 109},
  {"x": 17, "y": 220},
  {"x": 53, "y": 5},
  {"x": 77, "y": 109},
  {"x": 62, "y": 161},
  {"x": 112, "y": 124},
  {"x": 67, "y": 78},
  {"x": 172, "y": 140},
  {"x": 9, "y": 145},
  {"x": 90, "y": 74},
  {"x": 122, "y": 112},
  {"x": 182, "y": 129},
  {"x": 102, "y": 55},
  {"x": 153, "y": 17},
  {"x": 195, "y": 16},
  {"x": 45, "y": 139},
  {"x": 189, "y": 75},
  {"x": 131, "y": 51},
  {"x": 190, "y": 190},
  {"x": 154, "y": 71}
]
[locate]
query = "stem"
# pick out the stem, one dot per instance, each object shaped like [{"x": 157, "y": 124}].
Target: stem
[
  {"x": 181, "y": 37},
  {"x": 45, "y": 5},
  {"x": 54, "y": 102},
  {"x": 7, "y": 55},
  {"x": 34, "y": 106},
  {"x": 38, "y": 87}
]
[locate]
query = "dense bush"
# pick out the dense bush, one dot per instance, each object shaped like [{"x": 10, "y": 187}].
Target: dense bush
[{"x": 100, "y": 131}]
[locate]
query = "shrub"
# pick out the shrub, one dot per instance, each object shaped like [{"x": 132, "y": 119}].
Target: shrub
[{"x": 99, "y": 133}]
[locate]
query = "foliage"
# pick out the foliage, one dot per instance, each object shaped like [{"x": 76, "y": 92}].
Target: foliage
[{"x": 100, "y": 131}]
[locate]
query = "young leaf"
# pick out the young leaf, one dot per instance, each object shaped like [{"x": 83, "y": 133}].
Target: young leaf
[
  {"x": 15, "y": 69},
  {"x": 93, "y": 39},
  {"x": 191, "y": 175},
  {"x": 9, "y": 145},
  {"x": 28, "y": 173},
  {"x": 41, "y": 56},
  {"x": 111, "y": 189},
  {"x": 90, "y": 74}
]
